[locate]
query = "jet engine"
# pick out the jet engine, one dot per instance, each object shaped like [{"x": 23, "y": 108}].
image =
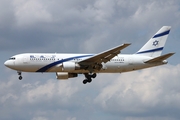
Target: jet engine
[
  {"x": 65, "y": 75},
  {"x": 70, "y": 66}
]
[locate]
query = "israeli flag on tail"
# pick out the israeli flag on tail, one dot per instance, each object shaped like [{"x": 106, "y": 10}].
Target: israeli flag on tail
[{"x": 155, "y": 45}]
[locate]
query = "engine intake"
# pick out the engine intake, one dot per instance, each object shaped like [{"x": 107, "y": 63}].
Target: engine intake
[{"x": 65, "y": 75}]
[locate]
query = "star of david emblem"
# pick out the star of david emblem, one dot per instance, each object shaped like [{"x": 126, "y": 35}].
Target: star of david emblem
[{"x": 155, "y": 42}]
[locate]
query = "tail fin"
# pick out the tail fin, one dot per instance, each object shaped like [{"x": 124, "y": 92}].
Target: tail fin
[{"x": 155, "y": 45}]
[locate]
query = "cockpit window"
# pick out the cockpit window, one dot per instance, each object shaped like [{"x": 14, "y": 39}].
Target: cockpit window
[{"x": 12, "y": 58}]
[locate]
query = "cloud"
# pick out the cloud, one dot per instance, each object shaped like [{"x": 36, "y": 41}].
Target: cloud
[
  {"x": 29, "y": 12},
  {"x": 39, "y": 118},
  {"x": 88, "y": 26},
  {"x": 63, "y": 26},
  {"x": 148, "y": 94},
  {"x": 151, "y": 92}
]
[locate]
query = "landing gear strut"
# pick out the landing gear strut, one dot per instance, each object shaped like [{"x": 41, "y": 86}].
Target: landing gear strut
[
  {"x": 89, "y": 77},
  {"x": 20, "y": 77}
]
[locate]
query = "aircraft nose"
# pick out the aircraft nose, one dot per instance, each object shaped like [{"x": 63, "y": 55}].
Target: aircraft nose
[{"x": 8, "y": 63}]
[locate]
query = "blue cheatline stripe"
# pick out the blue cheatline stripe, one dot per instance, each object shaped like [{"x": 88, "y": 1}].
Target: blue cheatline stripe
[
  {"x": 152, "y": 50},
  {"x": 45, "y": 68},
  {"x": 161, "y": 34}
]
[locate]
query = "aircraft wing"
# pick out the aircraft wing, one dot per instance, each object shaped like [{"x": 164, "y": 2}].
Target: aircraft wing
[
  {"x": 160, "y": 58},
  {"x": 103, "y": 56}
]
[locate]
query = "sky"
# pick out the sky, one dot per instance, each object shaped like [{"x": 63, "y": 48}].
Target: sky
[{"x": 88, "y": 26}]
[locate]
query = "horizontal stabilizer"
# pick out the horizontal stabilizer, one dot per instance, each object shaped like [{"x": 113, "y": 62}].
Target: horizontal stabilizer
[{"x": 160, "y": 58}]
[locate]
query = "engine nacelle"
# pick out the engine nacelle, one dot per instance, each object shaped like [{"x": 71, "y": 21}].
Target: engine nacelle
[
  {"x": 65, "y": 75},
  {"x": 70, "y": 66}
]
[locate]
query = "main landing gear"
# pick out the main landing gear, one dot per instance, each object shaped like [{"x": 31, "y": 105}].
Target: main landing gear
[
  {"x": 89, "y": 77},
  {"x": 20, "y": 77}
]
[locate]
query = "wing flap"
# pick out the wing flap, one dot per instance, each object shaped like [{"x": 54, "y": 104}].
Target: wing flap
[
  {"x": 104, "y": 56},
  {"x": 160, "y": 58}
]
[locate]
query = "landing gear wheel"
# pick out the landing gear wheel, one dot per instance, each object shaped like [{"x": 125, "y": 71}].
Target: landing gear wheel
[
  {"x": 89, "y": 80},
  {"x": 89, "y": 77},
  {"x": 19, "y": 73},
  {"x": 85, "y": 81},
  {"x": 20, "y": 77},
  {"x": 93, "y": 75}
]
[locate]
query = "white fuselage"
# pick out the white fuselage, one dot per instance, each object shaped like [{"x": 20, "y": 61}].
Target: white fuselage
[
  {"x": 110, "y": 61},
  {"x": 46, "y": 62}
]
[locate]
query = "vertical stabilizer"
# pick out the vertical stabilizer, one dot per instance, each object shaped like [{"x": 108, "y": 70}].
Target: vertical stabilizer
[{"x": 155, "y": 45}]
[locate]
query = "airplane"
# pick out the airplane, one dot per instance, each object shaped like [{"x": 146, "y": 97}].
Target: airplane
[{"x": 110, "y": 61}]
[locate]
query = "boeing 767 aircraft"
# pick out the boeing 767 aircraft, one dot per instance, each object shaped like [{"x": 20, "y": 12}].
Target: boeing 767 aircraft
[{"x": 110, "y": 61}]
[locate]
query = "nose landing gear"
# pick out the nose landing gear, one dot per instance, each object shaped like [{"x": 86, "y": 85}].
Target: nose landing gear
[
  {"x": 89, "y": 77},
  {"x": 20, "y": 77}
]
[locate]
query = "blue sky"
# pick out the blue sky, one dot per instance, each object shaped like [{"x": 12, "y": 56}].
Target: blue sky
[{"x": 88, "y": 26}]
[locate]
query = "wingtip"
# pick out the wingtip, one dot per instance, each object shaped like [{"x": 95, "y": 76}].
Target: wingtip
[
  {"x": 168, "y": 27},
  {"x": 172, "y": 53},
  {"x": 127, "y": 44}
]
